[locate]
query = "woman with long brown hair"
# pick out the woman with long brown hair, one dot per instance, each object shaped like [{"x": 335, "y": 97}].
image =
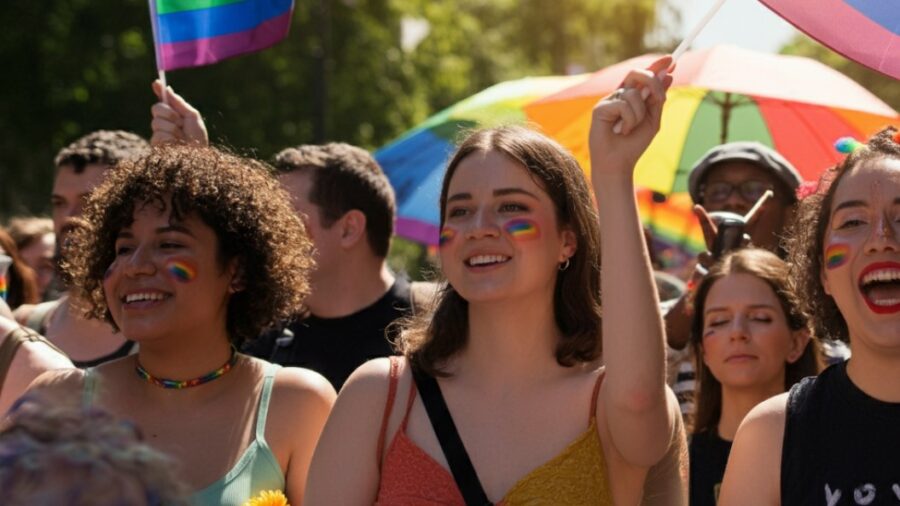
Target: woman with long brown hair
[
  {"x": 750, "y": 343},
  {"x": 500, "y": 395}
]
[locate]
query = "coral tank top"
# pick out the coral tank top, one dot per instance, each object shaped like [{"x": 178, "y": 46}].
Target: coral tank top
[{"x": 411, "y": 477}]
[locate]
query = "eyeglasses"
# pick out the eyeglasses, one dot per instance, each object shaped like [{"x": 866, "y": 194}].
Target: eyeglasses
[{"x": 718, "y": 192}]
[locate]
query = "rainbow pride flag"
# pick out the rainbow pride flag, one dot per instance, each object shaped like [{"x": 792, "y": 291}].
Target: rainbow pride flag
[
  {"x": 866, "y": 31},
  {"x": 190, "y": 33}
]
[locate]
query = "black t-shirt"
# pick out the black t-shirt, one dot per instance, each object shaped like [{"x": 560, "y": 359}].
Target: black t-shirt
[
  {"x": 841, "y": 446},
  {"x": 335, "y": 347},
  {"x": 708, "y": 456}
]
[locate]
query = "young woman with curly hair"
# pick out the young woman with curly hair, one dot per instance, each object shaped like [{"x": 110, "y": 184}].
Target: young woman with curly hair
[
  {"x": 514, "y": 346},
  {"x": 750, "y": 343},
  {"x": 189, "y": 252},
  {"x": 834, "y": 440}
]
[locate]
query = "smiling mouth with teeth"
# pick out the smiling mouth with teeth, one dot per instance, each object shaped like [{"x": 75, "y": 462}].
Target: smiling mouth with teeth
[
  {"x": 880, "y": 286},
  {"x": 486, "y": 260},
  {"x": 143, "y": 297}
]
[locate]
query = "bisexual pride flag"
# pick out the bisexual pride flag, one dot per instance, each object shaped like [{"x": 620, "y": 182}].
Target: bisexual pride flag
[
  {"x": 190, "y": 33},
  {"x": 866, "y": 31}
]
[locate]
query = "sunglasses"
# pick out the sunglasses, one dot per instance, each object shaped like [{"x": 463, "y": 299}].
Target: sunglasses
[{"x": 719, "y": 191}]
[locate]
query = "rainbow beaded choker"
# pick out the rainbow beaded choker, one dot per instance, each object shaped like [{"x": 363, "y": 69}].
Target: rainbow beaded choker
[{"x": 179, "y": 384}]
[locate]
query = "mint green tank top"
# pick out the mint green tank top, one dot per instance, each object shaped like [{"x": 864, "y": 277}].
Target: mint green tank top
[{"x": 256, "y": 471}]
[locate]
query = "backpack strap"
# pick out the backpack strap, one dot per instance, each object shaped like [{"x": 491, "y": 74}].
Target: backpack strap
[
  {"x": 442, "y": 422},
  {"x": 11, "y": 344}
]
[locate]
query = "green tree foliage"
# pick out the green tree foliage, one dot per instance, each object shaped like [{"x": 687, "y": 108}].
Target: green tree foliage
[
  {"x": 884, "y": 87},
  {"x": 74, "y": 66}
]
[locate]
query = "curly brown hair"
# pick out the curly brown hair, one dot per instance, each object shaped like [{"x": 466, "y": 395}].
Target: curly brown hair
[
  {"x": 437, "y": 335},
  {"x": 104, "y": 147},
  {"x": 806, "y": 237},
  {"x": 237, "y": 197},
  {"x": 772, "y": 270}
]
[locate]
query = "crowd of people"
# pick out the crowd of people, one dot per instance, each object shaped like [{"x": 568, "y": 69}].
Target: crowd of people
[{"x": 197, "y": 327}]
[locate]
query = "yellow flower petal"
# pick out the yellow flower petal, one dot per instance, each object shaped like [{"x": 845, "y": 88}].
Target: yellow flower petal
[{"x": 268, "y": 498}]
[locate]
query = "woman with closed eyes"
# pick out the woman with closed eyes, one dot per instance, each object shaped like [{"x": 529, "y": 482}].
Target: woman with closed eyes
[{"x": 750, "y": 343}]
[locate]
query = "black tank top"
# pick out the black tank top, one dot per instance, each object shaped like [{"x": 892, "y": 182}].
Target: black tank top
[
  {"x": 708, "y": 456},
  {"x": 841, "y": 447}
]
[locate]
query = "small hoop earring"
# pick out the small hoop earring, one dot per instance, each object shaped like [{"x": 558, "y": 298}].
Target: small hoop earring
[{"x": 565, "y": 265}]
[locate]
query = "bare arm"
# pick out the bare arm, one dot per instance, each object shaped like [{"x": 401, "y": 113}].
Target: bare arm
[
  {"x": 345, "y": 466},
  {"x": 301, "y": 401},
  {"x": 753, "y": 475},
  {"x": 30, "y": 361},
  {"x": 638, "y": 414}
]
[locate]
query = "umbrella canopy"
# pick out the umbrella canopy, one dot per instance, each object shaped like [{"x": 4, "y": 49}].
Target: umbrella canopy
[
  {"x": 795, "y": 105},
  {"x": 415, "y": 162}
]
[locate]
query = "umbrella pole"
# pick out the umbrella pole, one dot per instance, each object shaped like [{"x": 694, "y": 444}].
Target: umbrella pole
[{"x": 726, "y": 116}]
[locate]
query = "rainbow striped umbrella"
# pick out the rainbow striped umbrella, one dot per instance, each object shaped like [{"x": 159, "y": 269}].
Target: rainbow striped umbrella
[
  {"x": 415, "y": 162},
  {"x": 795, "y": 105}
]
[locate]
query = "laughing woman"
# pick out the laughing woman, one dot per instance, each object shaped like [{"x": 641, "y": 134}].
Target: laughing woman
[
  {"x": 189, "y": 252},
  {"x": 834, "y": 439},
  {"x": 500, "y": 397}
]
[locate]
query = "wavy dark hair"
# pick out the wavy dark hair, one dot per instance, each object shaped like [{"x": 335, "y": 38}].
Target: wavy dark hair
[
  {"x": 237, "y": 197},
  {"x": 767, "y": 267},
  {"x": 806, "y": 237},
  {"x": 435, "y": 336}
]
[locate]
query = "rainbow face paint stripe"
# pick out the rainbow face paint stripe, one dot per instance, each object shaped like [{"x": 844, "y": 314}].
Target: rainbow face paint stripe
[
  {"x": 3, "y": 287},
  {"x": 836, "y": 255},
  {"x": 447, "y": 235},
  {"x": 522, "y": 229},
  {"x": 182, "y": 271}
]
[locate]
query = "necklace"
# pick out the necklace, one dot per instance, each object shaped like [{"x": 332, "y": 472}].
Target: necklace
[{"x": 179, "y": 384}]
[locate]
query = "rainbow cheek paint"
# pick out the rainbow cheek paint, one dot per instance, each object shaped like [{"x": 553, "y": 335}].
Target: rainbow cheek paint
[
  {"x": 522, "y": 230},
  {"x": 3, "y": 287},
  {"x": 182, "y": 271},
  {"x": 447, "y": 235},
  {"x": 836, "y": 255}
]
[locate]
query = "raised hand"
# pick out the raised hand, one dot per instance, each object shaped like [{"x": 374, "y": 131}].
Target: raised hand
[
  {"x": 625, "y": 122},
  {"x": 175, "y": 120}
]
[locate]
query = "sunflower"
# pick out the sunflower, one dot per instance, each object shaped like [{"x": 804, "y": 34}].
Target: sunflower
[{"x": 268, "y": 498}]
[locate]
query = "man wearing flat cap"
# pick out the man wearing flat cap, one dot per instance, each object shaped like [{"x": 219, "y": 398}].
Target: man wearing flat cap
[{"x": 732, "y": 177}]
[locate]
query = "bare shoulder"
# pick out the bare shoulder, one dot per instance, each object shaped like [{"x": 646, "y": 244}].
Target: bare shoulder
[
  {"x": 22, "y": 313},
  {"x": 753, "y": 475},
  {"x": 63, "y": 385},
  {"x": 369, "y": 378}
]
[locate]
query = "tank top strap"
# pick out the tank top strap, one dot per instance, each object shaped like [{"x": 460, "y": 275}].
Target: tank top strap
[
  {"x": 263, "y": 410},
  {"x": 90, "y": 383},
  {"x": 393, "y": 379},
  {"x": 594, "y": 395}
]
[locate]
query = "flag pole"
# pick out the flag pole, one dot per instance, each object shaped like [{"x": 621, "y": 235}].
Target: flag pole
[
  {"x": 683, "y": 47},
  {"x": 154, "y": 23},
  {"x": 686, "y": 43}
]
